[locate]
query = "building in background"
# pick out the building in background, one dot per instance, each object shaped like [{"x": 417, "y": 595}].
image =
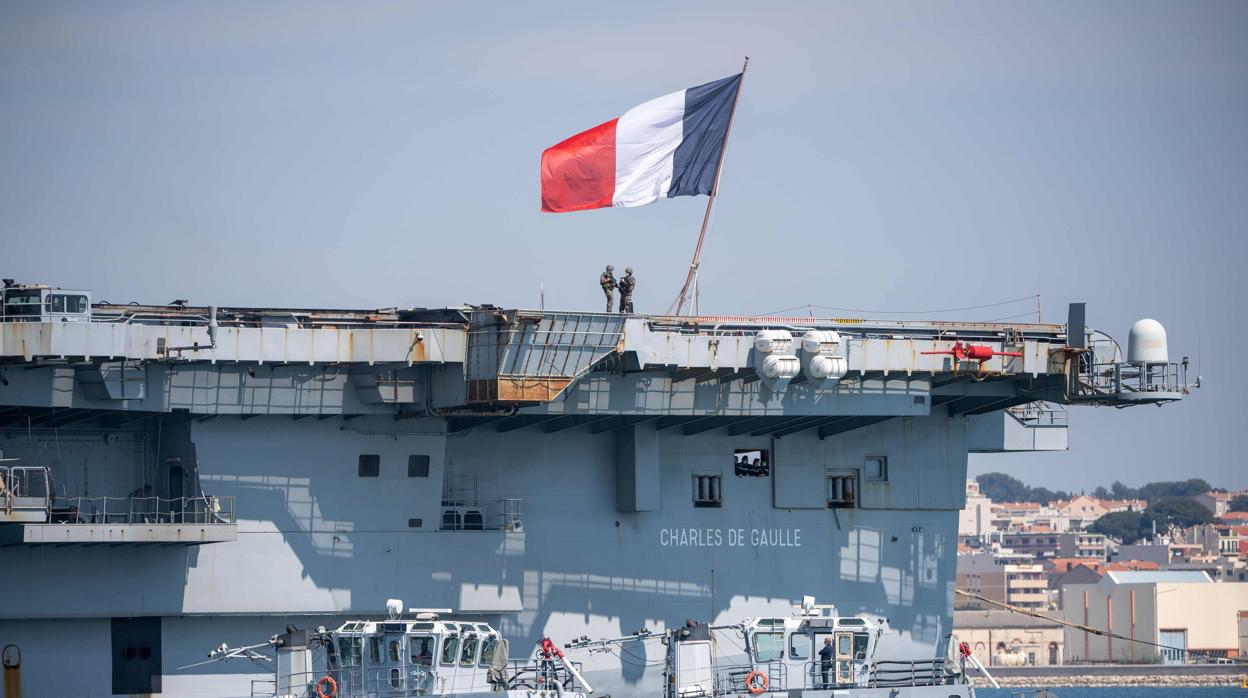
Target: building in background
[
  {"x": 975, "y": 521},
  {"x": 1152, "y": 552},
  {"x": 1013, "y": 516},
  {"x": 1182, "y": 610},
  {"x": 1217, "y": 502},
  {"x": 1042, "y": 543},
  {"x": 1113, "y": 506},
  {"x": 1026, "y": 586},
  {"x": 1036, "y": 544},
  {"x": 980, "y": 574},
  {"x": 1004, "y": 638},
  {"x": 1081, "y": 510},
  {"x": 1083, "y": 545}
]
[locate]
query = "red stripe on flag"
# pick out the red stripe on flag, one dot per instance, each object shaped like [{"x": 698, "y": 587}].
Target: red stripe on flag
[{"x": 579, "y": 173}]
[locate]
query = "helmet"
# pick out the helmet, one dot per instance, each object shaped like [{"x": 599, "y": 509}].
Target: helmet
[
  {"x": 628, "y": 270},
  {"x": 610, "y": 268}
]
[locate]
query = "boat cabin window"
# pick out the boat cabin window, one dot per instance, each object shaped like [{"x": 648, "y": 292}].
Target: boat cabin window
[
  {"x": 488, "y": 646},
  {"x": 860, "y": 645},
  {"x": 450, "y": 649},
  {"x": 396, "y": 650},
  {"x": 844, "y": 645},
  {"x": 420, "y": 649},
  {"x": 799, "y": 646},
  {"x": 22, "y": 302},
  {"x": 61, "y": 304},
  {"x": 768, "y": 647},
  {"x": 374, "y": 650},
  {"x": 349, "y": 651},
  {"x": 468, "y": 654}
]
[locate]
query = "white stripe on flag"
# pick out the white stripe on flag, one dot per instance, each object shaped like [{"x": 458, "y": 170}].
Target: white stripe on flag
[{"x": 646, "y": 137}]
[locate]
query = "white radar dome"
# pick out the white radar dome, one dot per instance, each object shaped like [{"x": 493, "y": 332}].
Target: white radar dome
[{"x": 1147, "y": 343}]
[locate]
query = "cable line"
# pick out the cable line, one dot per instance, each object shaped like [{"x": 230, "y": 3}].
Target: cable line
[{"x": 904, "y": 312}]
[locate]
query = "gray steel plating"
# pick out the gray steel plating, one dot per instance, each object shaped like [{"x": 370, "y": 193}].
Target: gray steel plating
[{"x": 538, "y": 470}]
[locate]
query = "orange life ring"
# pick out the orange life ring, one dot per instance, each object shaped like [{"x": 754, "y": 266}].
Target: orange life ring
[
  {"x": 333, "y": 687},
  {"x": 753, "y": 687}
]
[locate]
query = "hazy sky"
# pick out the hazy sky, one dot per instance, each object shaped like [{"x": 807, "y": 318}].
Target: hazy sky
[{"x": 896, "y": 157}]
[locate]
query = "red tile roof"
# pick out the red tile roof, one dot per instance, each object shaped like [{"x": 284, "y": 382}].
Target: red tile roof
[
  {"x": 1019, "y": 505},
  {"x": 1131, "y": 565},
  {"x": 1066, "y": 564}
]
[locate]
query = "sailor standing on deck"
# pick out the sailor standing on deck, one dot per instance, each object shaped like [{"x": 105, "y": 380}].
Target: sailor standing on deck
[
  {"x": 825, "y": 659},
  {"x": 607, "y": 282},
  {"x": 627, "y": 285}
]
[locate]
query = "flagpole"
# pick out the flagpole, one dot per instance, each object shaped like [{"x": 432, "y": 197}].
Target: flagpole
[{"x": 679, "y": 304}]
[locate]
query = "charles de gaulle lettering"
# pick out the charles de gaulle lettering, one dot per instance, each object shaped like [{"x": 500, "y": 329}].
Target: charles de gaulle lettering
[{"x": 730, "y": 537}]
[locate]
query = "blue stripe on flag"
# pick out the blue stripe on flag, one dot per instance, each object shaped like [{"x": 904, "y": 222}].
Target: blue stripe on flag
[{"x": 707, "y": 108}]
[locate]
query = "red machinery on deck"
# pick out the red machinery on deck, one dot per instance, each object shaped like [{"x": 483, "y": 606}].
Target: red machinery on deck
[{"x": 973, "y": 352}]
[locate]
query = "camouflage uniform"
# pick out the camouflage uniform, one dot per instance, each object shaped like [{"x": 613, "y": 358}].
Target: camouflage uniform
[
  {"x": 628, "y": 283},
  {"x": 607, "y": 282}
]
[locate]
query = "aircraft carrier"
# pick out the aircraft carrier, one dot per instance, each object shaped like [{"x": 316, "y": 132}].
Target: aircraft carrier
[{"x": 179, "y": 475}]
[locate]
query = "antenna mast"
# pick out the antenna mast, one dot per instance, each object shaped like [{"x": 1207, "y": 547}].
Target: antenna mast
[{"x": 678, "y": 305}]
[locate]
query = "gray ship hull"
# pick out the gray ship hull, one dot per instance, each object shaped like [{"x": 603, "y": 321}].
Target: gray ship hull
[
  {"x": 333, "y": 544},
  {"x": 220, "y": 473}
]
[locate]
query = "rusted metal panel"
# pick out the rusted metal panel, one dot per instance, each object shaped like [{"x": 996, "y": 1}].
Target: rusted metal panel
[
  {"x": 532, "y": 356},
  {"x": 517, "y": 389}
]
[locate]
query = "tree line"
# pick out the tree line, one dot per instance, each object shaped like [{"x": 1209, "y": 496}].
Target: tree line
[
  {"x": 1170, "y": 504},
  {"x": 1000, "y": 487}
]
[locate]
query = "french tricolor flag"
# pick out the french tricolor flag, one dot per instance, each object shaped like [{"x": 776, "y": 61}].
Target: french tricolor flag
[{"x": 670, "y": 146}]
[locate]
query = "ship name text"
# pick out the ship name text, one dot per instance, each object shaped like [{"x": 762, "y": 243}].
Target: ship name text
[{"x": 730, "y": 537}]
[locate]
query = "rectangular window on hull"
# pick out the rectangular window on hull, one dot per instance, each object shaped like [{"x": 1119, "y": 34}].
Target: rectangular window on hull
[
  {"x": 875, "y": 469},
  {"x": 841, "y": 489},
  {"x": 751, "y": 462},
  {"x": 417, "y": 466},
  {"x": 370, "y": 465},
  {"x": 706, "y": 490}
]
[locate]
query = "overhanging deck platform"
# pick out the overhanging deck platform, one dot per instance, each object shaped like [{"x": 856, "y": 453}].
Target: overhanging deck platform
[{"x": 116, "y": 534}]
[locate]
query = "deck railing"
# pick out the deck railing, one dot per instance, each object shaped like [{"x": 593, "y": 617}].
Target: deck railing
[
  {"x": 840, "y": 674},
  {"x": 1040, "y": 414},
  {"x": 205, "y": 509}
]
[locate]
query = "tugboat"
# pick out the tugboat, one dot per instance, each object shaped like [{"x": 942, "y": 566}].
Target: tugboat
[
  {"x": 814, "y": 652},
  {"x": 420, "y": 654}
]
